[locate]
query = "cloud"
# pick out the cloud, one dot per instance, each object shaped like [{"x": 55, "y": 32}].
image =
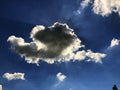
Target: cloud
[
  {"x": 57, "y": 43},
  {"x": 14, "y": 76},
  {"x": 113, "y": 49},
  {"x": 96, "y": 57},
  {"x": 114, "y": 42},
  {"x": 60, "y": 77},
  {"x": 101, "y": 7},
  {"x": 106, "y": 7},
  {"x": 0, "y": 87},
  {"x": 84, "y": 3}
]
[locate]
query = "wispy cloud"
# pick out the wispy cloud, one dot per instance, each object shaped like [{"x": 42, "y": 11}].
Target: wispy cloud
[{"x": 82, "y": 6}]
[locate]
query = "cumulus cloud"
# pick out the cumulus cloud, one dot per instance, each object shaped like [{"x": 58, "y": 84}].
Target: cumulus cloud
[
  {"x": 57, "y": 43},
  {"x": 101, "y": 7},
  {"x": 60, "y": 77},
  {"x": 106, "y": 7},
  {"x": 0, "y": 87},
  {"x": 114, "y": 42},
  {"x": 14, "y": 76}
]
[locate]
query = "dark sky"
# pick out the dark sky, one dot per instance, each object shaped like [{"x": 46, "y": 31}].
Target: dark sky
[{"x": 18, "y": 17}]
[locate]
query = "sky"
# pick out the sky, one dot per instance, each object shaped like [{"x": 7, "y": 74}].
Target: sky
[{"x": 59, "y": 44}]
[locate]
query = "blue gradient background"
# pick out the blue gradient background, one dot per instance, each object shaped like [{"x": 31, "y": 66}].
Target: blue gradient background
[{"x": 18, "y": 17}]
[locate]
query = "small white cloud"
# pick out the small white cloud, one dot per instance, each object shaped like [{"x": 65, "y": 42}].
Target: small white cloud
[
  {"x": 85, "y": 3},
  {"x": 114, "y": 42},
  {"x": 0, "y": 87},
  {"x": 14, "y": 76},
  {"x": 106, "y": 7},
  {"x": 61, "y": 77}
]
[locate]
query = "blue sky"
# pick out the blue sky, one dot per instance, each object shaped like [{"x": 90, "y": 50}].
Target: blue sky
[{"x": 95, "y": 30}]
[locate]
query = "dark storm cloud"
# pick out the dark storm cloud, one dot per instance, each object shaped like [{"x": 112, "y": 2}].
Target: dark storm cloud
[
  {"x": 47, "y": 42},
  {"x": 55, "y": 43},
  {"x": 56, "y": 38}
]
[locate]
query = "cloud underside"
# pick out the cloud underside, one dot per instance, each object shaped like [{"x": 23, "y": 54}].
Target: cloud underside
[
  {"x": 14, "y": 76},
  {"x": 57, "y": 43},
  {"x": 102, "y": 7}
]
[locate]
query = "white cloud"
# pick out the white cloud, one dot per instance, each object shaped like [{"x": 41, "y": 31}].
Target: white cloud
[
  {"x": 114, "y": 42},
  {"x": 106, "y": 7},
  {"x": 0, "y": 87},
  {"x": 101, "y": 7},
  {"x": 80, "y": 55},
  {"x": 61, "y": 77},
  {"x": 14, "y": 76},
  {"x": 96, "y": 57},
  {"x": 84, "y": 3},
  {"x": 57, "y": 43}
]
